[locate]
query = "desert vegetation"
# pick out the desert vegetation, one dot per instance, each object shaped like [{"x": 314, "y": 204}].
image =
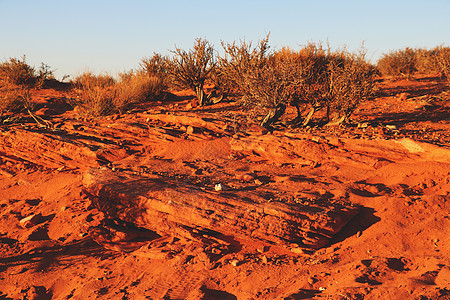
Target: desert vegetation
[
  {"x": 311, "y": 78},
  {"x": 17, "y": 77},
  {"x": 407, "y": 62},
  {"x": 261, "y": 79},
  {"x": 100, "y": 95},
  {"x": 191, "y": 69}
]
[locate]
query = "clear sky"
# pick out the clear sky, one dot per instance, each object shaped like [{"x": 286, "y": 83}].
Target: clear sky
[{"x": 113, "y": 36}]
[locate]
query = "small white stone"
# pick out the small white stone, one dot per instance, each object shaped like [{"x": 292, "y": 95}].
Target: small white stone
[{"x": 219, "y": 187}]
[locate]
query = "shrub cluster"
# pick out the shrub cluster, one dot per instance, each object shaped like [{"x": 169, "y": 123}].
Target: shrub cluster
[
  {"x": 311, "y": 78},
  {"x": 16, "y": 79},
  {"x": 258, "y": 78},
  {"x": 408, "y": 62}
]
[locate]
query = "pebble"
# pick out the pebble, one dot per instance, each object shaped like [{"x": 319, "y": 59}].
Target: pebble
[
  {"x": 219, "y": 187},
  {"x": 30, "y": 221},
  {"x": 297, "y": 250},
  {"x": 235, "y": 262},
  {"x": 262, "y": 249},
  {"x": 190, "y": 129},
  {"x": 264, "y": 259},
  {"x": 258, "y": 182},
  {"x": 312, "y": 280},
  {"x": 391, "y": 127}
]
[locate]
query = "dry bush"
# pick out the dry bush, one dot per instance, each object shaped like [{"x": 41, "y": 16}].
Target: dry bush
[
  {"x": 311, "y": 78},
  {"x": 17, "y": 72},
  {"x": 351, "y": 81},
  {"x": 427, "y": 62},
  {"x": 443, "y": 60},
  {"x": 16, "y": 79},
  {"x": 156, "y": 66},
  {"x": 409, "y": 62},
  {"x": 235, "y": 71},
  {"x": 44, "y": 74},
  {"x": 191, "y": 69},
  {"x": 398, "y": 64},
  {"x": 12, "y": 99},
  {"x": 312, "y": 91}
]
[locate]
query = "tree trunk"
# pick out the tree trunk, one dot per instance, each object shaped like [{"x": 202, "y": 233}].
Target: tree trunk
[
  {"x": 337, "y": 120},
  {"x": 308, "y": 117},
  {"x": 273, "y": 115}
]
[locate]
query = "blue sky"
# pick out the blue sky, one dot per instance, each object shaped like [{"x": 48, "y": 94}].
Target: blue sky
[{"x": 113, "y": 36}]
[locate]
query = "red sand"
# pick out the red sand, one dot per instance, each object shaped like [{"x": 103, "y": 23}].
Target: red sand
[{"x": 394, "y": 166}]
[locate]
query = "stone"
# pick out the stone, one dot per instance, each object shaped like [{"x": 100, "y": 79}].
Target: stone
[
  {"x": 235, "y": 262},
  {"x": 179, "y": 210},
  {"x": 30, "y": 221},
  {"x": 297, "y": 250},
  {"x": 443, "y": 278}
]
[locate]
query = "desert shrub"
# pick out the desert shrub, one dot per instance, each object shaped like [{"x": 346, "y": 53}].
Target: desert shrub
[
  {"x": 351, "y": 81},
  {"x": 156, "y": 66},
  {"x": 12, "y": 99},
  {"x": 312, "y": 90},
  {"x": 409, "y": 62},
  {"x": 191, "y": 69},
  {"x": 443, "y": 60},
  {"x": 398, "y": 63},
  {"x": 426, "y": 61},
  {"x": 16, "y": 79},
  {"x": 235, "y": 71},
  {"x": 44, "y": 73},
  {"x": 311, "y": 78},
  {"x": 17, "y": 72},
  {"x": 94, "y": 94}
]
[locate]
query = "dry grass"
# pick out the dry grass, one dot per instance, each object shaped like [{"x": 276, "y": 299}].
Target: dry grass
[
  {"x": 101, "y": 95},
  {"x": 136, "y": 88}
]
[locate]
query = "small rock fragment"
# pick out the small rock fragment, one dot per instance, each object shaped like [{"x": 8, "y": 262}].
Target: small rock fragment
[
  {"x": 30, "y": 221},
  {"x": 391, "y": 127},
  {"x": 235, "y": 262},
  {"x": 258, "y": 182},
  {"x": 264, "y": 259},
  {"x": 443, "y": 278},
  {"x": 312, "y": 280},
  {"x": 262, "y": 249},
  {"x": 297, "y": 250},
  {"x": 219, "y": 187},
  {"x": 190, "y": 129}
]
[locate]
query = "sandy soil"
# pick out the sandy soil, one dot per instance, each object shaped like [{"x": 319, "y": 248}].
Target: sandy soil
[{"x": 62, "y": 239}]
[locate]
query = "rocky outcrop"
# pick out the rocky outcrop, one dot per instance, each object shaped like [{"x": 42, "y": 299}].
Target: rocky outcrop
[{"x": 175, "y": 208}]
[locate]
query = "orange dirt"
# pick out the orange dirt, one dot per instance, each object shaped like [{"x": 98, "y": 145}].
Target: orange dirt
[{"x": 60, "y": 238}]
